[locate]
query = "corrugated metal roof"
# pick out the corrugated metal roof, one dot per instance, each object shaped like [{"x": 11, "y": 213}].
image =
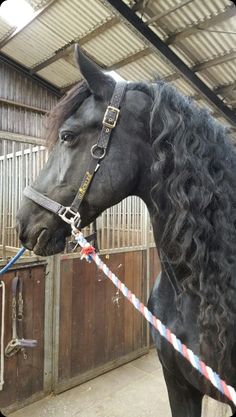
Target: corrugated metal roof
[
  {"x": 5, "y": 28},
  {"x": 114, "y": 45},
  {"x": 222, "y": 74},
  {"x": 192, "y": 13},
  {"x": 207, "y": 44},
  {"x": 149, "y": 68},
  {"x": 32, "y": 44},
  {"x": 64, "y": 21},
  {"x": 37, "y": 4},
  {"x": 73, "y": 19},
  {"x": 60, "y": 73},
  {"x": 184, "y": 87}
]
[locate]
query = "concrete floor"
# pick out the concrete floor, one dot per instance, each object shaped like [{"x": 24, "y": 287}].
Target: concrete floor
[{"x": 133, "y": 390}]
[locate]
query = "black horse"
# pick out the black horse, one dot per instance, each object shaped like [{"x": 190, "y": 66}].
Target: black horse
[{"x": 178, "y": 159}]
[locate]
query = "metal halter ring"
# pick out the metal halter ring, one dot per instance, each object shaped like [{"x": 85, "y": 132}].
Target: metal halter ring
[{"x": 93, "y": 149}]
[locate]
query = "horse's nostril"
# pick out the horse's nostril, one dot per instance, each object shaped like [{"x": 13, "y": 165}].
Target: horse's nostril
[{"x": 20, "y": 232}]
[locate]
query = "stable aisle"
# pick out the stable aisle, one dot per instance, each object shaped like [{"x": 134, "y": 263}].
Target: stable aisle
[{"x": 133, "y": 390}]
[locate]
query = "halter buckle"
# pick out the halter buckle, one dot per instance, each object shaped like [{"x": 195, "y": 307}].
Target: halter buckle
[
  {"x": 110, "y": 117},
  {"x": 73, "y": 218}
]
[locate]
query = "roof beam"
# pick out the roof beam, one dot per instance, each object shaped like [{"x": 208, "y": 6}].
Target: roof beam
[
  {"x": 129, "y": 59},
  {"x": 225, "y": 88},
  {"x": 229, "y": 56},
  {"x": 168, "y": 55},
  {"x": 22, "y": 106},
  {"x": 16, "y": 31},
  {"x": 25, "y": 72},
  {"x": 69, "y": 48},
  {"x": 16, "y": 137},
  {"x": 172, "y": 9},
  {"x": 212, "y": 21}
]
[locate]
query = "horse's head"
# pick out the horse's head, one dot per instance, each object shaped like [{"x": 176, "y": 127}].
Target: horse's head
[{"x": 77, "y": 124}]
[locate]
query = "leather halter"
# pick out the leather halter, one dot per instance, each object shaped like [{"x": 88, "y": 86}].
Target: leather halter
[
  {"x": 98, "y": 151},
  {"x": 18, "y": 343}
]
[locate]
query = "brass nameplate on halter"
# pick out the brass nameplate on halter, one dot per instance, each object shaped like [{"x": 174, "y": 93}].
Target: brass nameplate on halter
[{"x": 85, "y": 184}]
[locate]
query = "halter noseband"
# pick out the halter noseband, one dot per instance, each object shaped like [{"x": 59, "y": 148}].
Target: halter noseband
[{"x": 71, "y": 214}]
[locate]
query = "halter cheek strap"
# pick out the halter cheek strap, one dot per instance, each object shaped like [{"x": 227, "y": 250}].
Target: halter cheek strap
[{"x": 98, "y": 151}]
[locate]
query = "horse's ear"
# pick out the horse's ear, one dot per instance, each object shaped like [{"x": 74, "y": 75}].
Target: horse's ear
[{"x": 101, "y": 84}]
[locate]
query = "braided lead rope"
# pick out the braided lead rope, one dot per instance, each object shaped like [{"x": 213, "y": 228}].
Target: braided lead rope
[{"x": 88, "y": 252}]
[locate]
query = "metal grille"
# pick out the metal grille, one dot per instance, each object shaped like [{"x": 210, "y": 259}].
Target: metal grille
[
  {"x": 125, "y": 226},
  {"x": 18, "y": 168}
]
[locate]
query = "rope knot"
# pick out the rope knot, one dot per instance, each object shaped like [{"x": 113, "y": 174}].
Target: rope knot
[{"x": 87, "y": 251}]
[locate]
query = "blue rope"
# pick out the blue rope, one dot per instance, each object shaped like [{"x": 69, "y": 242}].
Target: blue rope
[{"x": 12, "y": 261}]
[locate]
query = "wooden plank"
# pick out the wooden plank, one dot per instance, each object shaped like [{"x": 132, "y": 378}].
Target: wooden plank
[
  {"x": 115, "y": 311},
  {"x": 16, "y": 137},
  {"x": 24, "y": 377},
  {"x": 137, "y": 269},
  {"x": 9, "y": 394},
  {"x": 100, "y": 317},
  {"x": 102, "y": 331},
  {"x": 229, "y": 12},
  {"x": 65, "y": 319},
  {"x": 25, "y": 365},
  {"x": 22, "y": 106},
  {"x": 131, "y": 58},
  {"x": 37, "y": 332},
  {"x": 128, "y": 313},
  {"x": 170, "y": 10},
  {"x": 69, "y": 48}
]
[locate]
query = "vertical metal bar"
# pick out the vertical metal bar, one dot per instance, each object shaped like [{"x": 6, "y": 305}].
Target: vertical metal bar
[
  {"x": 147, "y": 234},
  {"x": 108, "y": 228},
  {"x": 30, "y": 164},
  {"x": 13, "y": 215},
  {"x": 102, "y": 232},
  {"x": 22, "y": 171},
  {"x": 1, "y": 201},
  {"x": 118, "y": 226},
  {"x": 123, "y": 222},
  {"x": 4, "y": 220},
  {"x": 114, "y": 209},
  {"x": 10, "y": 205},
  {"x": 128, "y": 221}
]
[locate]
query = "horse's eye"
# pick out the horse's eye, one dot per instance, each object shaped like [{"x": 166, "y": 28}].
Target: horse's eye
[{"x": 67, "y": 136}]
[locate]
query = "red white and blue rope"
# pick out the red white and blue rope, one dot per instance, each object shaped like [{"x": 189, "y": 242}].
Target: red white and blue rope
[{"x": 88, "y": 252}]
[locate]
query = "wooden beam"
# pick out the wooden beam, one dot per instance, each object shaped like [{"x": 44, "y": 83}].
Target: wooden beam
[
  {"x": 69, "y": 48},
  {"x": 6, "y": 60},
  {"x": 16, "y": 31},
  {"x": 22, "y": 105},
  {"x": 139, "y": 5},
  {"x": 21, "y": 138},
  {"x": 169, "y": 56},
  {"x": 172, "y": 9},
  {"x": 212, "y": 21},
  {"x": 129, "y": 59},
  {"x": 229, "y": 56},
  {"x": 225, "y": 88}
]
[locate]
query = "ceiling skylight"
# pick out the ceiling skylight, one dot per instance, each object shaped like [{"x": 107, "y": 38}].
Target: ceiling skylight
[{"x": 16, "y": 13}]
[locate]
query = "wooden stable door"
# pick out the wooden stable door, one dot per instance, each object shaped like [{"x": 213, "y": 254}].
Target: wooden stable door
[
  {"x": 24, "y": 372},
  {"x": 99, "y": 328}
]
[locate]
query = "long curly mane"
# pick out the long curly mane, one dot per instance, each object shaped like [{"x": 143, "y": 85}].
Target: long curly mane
[{"x": 194, "y": 173}]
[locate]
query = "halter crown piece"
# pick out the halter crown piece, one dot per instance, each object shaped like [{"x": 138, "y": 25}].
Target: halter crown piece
[{"x": 98, "y": 151}]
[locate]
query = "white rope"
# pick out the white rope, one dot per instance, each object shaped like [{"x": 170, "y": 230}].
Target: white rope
[{"x": 2, "y": 285}]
